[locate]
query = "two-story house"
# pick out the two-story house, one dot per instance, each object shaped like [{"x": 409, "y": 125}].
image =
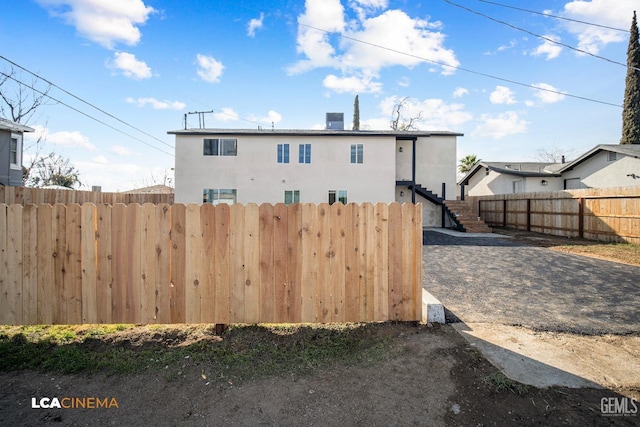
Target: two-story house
[
  {"x": 11, "y": 141},
  {"x": 317, "y": 166}
]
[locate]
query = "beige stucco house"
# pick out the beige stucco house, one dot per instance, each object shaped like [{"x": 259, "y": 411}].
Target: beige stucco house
[
  {"x": 603, "y": 166},
  {"x": 316, "y": 166}
]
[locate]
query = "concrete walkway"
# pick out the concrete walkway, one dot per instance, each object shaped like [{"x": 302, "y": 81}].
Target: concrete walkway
[{"x": 542, "y": 317}]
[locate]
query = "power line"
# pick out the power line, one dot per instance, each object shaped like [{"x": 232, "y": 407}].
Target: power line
[
  {"x": 85, "y": 114},
  {"x": 536, "y": 35},
  {"x": 85, "y": 102},
  {"x": 442, "y": 64},
  {"x": 548, "y": 15}
]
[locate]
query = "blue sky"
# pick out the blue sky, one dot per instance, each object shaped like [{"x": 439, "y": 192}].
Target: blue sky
[{"x": 285, "y": 63}]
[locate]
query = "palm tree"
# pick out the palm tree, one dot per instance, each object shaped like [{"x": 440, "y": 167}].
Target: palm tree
[{"x": 467, "y": 163}]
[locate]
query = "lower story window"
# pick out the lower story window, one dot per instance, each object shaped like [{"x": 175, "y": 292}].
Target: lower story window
[
  {"x": 216, "y": 196},
  {"x": 339, "y": 196},
  {"x": 291, "y": 196}
]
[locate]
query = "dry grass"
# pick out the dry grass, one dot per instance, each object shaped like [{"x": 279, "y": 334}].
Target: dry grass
[{"x": 619, "y": 252}]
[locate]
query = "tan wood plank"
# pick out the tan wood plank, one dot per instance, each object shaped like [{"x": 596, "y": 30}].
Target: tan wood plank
[
  {"x": 45, "y": 264},
  {"x": 352, "y": 263},
  {"x": 178, "y": 263},
  {"x": 29, "y": 264},
  {"x": 207, "y": 263},
  {"x": 417, "y": 262},
  {"x": 193, "y": 236},
  {"x": 237, "y": 264},
  {"x": 13, "y": 288},
  {"x": 309, "y": 279},
  {"x": 149, "y": 267},
  {"x": 133, "y": 282},
  {"x": 338, "y": 266},
  {"x": 4, "y": 264},
  {"x": 267, "y": 274},
  {"x": 104, "y": 280},
  {"x": 294, "y": 263},
  {"x": 381, "y": 265},
  {"x": 396, "y": 251},
  {"x": 324, "y": 302},
  {"x": 89, "y": 264},
  {"x": 163, "y": 264},
  {"x": 222, "y": 258},
  {"x": 410, "y": 281},
  {"x": 367, "y": 260},
  {"x": 59, "y": 250},
  {"x": 280, "y": 266},
  {"x": 252, "y": 263}
]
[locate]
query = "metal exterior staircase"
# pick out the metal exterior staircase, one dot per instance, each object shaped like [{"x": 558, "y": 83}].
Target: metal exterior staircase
[{"x": 435, "y": 199}]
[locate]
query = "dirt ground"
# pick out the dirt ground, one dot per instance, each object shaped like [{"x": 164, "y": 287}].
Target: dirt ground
[{"x": 430, "y": 377}]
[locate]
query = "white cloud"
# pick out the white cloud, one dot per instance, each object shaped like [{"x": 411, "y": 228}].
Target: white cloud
[
  {"x": 106, "y": 22},
  {"x": 255, "y": 24},
  {"x": 545, "y": 95},
  {"x": 121, "y": 151},
  {"x": 130, "y": 66},
  {"x": 501, "y": 125},
  {"x": 502, "y": 95},
  {"x": 157, "y": 105},
  {"x": 225, "y": 115},
  {"x": 352, "y": 84},
  {"x": 210, "y": 69},
  {"x": 502, "y": 48},
  {"x": 548, "y": 48},
  {"x": 271, "y": 117},
  {"x": 459, "y": 92},
  {"x": 613, "y": 13},
  {"x": 409, "y": 42},
  {"x": 62, "y": 138}
]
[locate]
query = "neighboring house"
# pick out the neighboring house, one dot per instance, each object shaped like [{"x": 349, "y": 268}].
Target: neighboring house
[
  {"x": 153, "y": 189},
  {"x": 317, "y": 166},
  {"x": 11, "y": 141},
  {"x": 604, "y": 166},
  {"x": 614, "y": 165},
  {"x": 510, "y": 177}
]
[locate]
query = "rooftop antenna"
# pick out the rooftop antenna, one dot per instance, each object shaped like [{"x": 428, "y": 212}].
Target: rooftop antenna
[{"x": 200, "y": 118}]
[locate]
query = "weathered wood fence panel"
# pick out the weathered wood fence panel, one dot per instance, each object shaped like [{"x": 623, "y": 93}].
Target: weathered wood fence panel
[
  {"x": 611, "y": 214},
  {"x": 27, "y": 195},
  {"x": 160, "y": 263}
]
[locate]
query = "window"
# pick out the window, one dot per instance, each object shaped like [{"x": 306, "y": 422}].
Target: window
[
  {"x": 220, "y": 147},
  {"x": 357, "y": 151},
  {"x": 217, "y": 196},
  {"x": 13, "y": 151},
  {"x": 283, "y": 153},
  {"x": 339, "y": 196},
  {"x": 292, "y": 196},
  {"x": 304, "y": 153},
  {"x": 517, "y": 186},
  {"x": 612, "y": 157}
]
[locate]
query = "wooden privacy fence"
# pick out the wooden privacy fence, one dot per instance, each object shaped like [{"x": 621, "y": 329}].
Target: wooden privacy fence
[
  {"x": 26, "y": 195},
  {"x": 611, "y": 214},
  {"x": 203, "y": 264}
]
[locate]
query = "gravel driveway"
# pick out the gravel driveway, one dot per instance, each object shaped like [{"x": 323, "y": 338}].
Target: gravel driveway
[{"x": 498, "y": 280}]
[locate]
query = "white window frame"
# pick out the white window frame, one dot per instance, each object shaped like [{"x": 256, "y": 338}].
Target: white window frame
[
  {"x": 304, "y": 153},
  {"x": 217, "y": 196},
  {"x": 293, "y": 194},
  {"x": 283, "y": 153},
  {"x": 18, "y": 164},
  {"x": 357, "y": 153},
  {"x": 338, "y": 196}
]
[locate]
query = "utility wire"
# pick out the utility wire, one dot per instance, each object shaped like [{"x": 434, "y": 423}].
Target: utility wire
[
  {"x": 85, "y": 102},
  {"x": 442, "y": 64},
  {"x": 537, "y": 35},
  {"x": 548, "y": 15},
  {"x": 84, "y": 114}
]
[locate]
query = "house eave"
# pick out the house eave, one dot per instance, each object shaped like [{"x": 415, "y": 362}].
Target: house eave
[{"x": 401, "y": 135}]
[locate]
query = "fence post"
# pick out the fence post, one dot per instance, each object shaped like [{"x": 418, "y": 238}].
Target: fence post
[
  {"x": 528, "y": 214},
  {"x": 504, "y": 213},
  {"x": 580, "y": 217}
]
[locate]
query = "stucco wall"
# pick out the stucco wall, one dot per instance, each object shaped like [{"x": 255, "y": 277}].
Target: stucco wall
[
  {"x": 482, "y": 184},
  {"x": 599, "y": 172},
  {"x": 258, "y": 178}
]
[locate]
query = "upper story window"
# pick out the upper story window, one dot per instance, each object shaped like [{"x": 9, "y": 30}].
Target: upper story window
[
  {"x": 13, "y": 151},
  {"x": 304, "y": 153},
  {"x": 220, "y": 147},
  {"x": 283, "y": 153},
  {"x": 357, "y": 153}
]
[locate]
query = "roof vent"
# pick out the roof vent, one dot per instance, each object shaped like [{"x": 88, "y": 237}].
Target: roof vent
[{"x": 335, "y": 121}]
